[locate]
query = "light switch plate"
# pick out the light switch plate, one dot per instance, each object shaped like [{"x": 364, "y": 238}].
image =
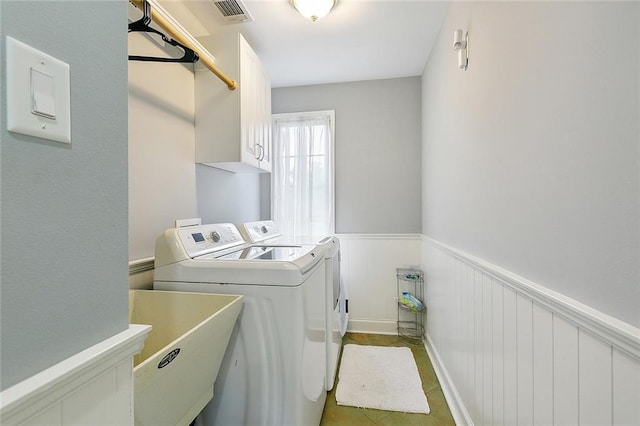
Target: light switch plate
[{"x": 39, "y": 106}]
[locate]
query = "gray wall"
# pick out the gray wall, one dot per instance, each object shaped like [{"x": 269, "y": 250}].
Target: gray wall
[
  {"x": 228, "y": 197},
  {"x": 64, "y": 208},
  {"x": 377, "y": 150},
  {"x": 531, "y": 157}
]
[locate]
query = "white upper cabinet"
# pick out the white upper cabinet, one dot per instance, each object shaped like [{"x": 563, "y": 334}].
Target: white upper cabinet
[{"x": 233, "y": 127}]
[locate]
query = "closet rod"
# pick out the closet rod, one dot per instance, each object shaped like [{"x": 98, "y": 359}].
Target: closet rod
[{"x": 167, "y": 26}]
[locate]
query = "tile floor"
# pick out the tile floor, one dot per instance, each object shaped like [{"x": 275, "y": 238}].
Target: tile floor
[{"x": 338, "y": 415}]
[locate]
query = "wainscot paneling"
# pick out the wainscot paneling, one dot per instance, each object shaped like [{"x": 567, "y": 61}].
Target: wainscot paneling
[
  {"x": 141, "y": 274},
  {"x": 508, "y": 351},
  {"x": 368, "y": 268},
  {"x": 93, "y": 387}
]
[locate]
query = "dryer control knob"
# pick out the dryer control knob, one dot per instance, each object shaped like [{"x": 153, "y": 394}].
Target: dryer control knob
[
  {"x": 215, "y": 236},
  {"x": 264, "y": 229}
]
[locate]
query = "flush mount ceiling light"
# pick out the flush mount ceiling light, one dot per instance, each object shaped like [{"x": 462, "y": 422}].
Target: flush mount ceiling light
[{"x": 314, "y": 9}]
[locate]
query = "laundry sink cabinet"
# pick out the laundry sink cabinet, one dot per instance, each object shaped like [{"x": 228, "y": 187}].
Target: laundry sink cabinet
[
  {"x": 174, "y": 374},
  {"x": 233, "y": 127}
]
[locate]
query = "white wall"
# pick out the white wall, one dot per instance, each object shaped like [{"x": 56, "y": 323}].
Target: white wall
[
  {"x": 509, "y": 351},
  {"x": 64, "y": 207},
  {"x": 165, "y": 184},
  {"x": 531, "y": 156},
  {"x": 92, "y": 387},
  {"x": 531, "y": 212},
  {"x": 162, "y": 176},
  {"x": 368, "y": 270},
  {"x": 377, "y": 150}
]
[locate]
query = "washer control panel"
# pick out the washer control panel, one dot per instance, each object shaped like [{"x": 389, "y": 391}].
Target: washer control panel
[
  {"x": 203, "y": 239},
  {"x": 262, "y": 230}
]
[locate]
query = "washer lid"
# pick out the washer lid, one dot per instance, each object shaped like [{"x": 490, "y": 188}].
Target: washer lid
[
  {"x": 302, "y": 258},
  {"x": 282, "y": 253},
  {"x": 291, "y": 269}
]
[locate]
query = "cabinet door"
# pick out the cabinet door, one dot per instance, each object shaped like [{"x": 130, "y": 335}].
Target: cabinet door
[
  {"x": 265, "y": 121},
  {"x": 248, "y": 108},
  {"x": 255, "y": 110}
]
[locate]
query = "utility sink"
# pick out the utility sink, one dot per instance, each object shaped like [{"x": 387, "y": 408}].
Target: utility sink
[{"x": 173, "y": 375}]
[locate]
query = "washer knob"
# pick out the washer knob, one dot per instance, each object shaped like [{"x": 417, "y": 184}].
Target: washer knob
[
  {"x": 215, "y": 236},
  {"x": 264, "y": 229}
]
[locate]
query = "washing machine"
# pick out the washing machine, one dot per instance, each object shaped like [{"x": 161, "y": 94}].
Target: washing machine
[
  {"x": 273, "y": 372},
  {"x": 266, "y": 232}
]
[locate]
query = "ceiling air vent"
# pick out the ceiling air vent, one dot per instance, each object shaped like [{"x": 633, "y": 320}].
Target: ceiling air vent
[{"x": 233, "y": 11}]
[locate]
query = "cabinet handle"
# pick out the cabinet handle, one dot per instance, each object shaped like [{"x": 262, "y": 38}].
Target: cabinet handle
[{"x": 261, "y": 153}]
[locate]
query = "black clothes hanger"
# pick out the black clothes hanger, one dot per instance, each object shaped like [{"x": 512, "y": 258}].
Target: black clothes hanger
[{"x": 142, "y": 25}]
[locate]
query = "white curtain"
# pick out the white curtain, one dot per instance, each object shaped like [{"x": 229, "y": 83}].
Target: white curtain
[{"x": 302, "y": 175}]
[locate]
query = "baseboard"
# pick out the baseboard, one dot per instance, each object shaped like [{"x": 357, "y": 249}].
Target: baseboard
[
  {"x": 456, "y": 406},
  {"x": 372, "y": 327}
]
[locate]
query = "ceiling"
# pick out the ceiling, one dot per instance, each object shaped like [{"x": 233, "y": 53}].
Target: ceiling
[{"x": 358, "y": 40}]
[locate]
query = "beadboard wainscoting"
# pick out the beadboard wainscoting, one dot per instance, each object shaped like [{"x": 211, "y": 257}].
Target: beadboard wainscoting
[
  {"x": 509, "y": 351},
  {"x": 369, "y": 263},
  {"x": 93, "y": 387}
]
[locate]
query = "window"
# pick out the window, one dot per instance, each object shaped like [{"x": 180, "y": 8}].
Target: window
[{"x": 302, "y": 175}]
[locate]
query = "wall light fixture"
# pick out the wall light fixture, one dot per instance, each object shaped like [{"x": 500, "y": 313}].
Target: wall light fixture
[{"x": 461, "y": 45}]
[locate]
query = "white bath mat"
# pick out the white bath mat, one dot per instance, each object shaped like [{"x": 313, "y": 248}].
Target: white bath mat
[{"x": 385, "y": 378}]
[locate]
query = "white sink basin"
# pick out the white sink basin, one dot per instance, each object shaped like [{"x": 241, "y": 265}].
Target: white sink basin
[{"x": 174, "y": 374}]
